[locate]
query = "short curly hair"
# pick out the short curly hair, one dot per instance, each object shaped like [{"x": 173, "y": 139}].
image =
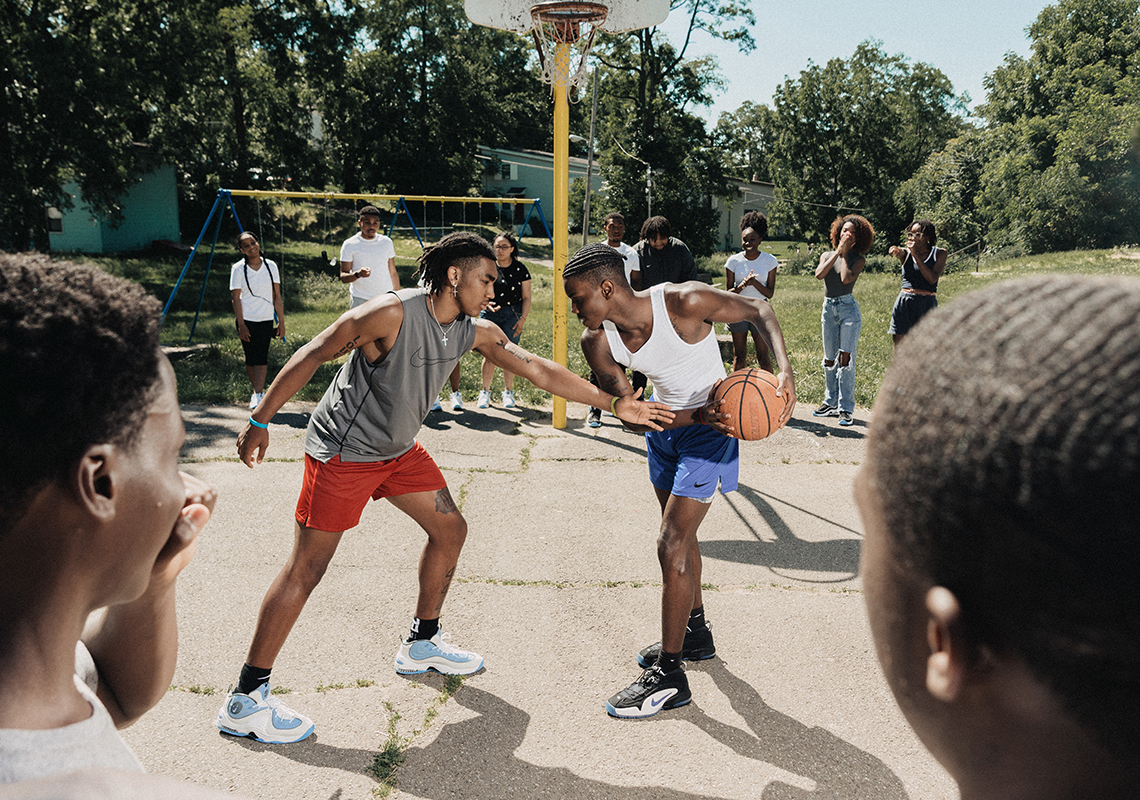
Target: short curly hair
[
  {"x": 86, "y": 349},
  {"x": 864, "y": 232},
  {"x": 1028, "y": 504},
  {"x": 756, "y": 221}
]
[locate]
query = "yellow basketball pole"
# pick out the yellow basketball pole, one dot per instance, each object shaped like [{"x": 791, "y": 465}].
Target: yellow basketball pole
[{"x": 560, "y": 214}]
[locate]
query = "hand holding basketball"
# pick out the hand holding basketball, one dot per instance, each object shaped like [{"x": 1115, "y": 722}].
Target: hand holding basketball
[{"x": 749, "y": 404}]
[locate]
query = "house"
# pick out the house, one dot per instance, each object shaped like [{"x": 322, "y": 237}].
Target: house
[
  {"x": 530, "y": 174},
  {"x": 150, "y": 212}
]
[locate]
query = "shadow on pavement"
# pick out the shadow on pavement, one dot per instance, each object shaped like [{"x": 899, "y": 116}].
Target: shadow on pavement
[
  {"x": 788, "y": 551},
  {"x": 856, "y": 431},
  {"x": 839, "y": 769},
  {"x": 478, "y": 754}
]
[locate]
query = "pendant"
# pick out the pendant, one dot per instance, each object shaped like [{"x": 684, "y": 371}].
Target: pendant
[{"x": 445, "y": 340}]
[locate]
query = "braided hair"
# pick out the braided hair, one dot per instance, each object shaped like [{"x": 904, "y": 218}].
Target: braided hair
[
  {"x": 1017, "y": 410},
  {"x": 596, "y": 262},
  {"x": 460, "y": 249}
]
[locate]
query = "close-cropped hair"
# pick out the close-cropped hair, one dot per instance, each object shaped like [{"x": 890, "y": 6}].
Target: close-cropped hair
[
  {"x": 864, "y": 232},
  {"x": 927, "y": 228},
  {"x": 613, "y": 215},
  {"x": 656, "y": 228},
  {"x": 596, "y": 262},
  {"x": 460, "y": 249},
  {"x": 756, "y": 221},
  {"x": 1006, "y": 456},
  {"x": 368, "y": 211},
  {"x": 80, "y": 358}
]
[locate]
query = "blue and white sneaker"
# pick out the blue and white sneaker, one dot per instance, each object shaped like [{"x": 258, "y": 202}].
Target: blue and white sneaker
[
  {"x": 421, "y": 655},
  {"x": 654, "y": 691},
  {"x": 435, "y": 406},
  {"x": 261, "y": 716}
]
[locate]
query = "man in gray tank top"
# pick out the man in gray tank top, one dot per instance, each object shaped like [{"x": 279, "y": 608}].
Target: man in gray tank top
[{"x": 361, "y": 444}]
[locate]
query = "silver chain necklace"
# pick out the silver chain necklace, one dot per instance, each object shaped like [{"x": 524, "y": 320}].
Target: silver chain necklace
[{"x": 442, "y": 330}]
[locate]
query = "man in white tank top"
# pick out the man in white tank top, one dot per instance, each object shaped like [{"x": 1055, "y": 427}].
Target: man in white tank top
[{"x": 666, "y": 332}]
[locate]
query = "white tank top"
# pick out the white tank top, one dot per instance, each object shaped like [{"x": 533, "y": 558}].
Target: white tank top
[{"x": 683, "y": 374}]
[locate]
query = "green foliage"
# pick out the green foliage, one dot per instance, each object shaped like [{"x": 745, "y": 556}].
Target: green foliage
[
  {"x": 845, "y": 135},
  {"x": 644, "y": 123},
  {"x": 946, "y": 190}
]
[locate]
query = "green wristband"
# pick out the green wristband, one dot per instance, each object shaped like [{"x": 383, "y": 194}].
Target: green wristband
[
  {"x": 257, "y": 424},
  {"x": 613, "y": 405}
]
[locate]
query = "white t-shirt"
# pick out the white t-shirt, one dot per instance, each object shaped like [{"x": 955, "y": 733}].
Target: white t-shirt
[
  {"x": 374, "y": 254},
  {"x": 741, "y": 268},
  {"x": 257, "y": 295},
  {"x": 632, "y": 261}
]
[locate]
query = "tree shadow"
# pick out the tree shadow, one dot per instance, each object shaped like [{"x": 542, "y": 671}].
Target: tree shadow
[
  {"x": 820, "y": 429},
  {"x": 788, "y": 551},
  {"x": 479, "y": 754}
]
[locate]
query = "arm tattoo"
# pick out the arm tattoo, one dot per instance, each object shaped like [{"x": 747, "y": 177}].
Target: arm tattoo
[
  {"x": 608, "y": 384},
  {"x": 347, "y": 347},
  {"x": 514, "y": 350},
  {"x": 443, "y": 502}
]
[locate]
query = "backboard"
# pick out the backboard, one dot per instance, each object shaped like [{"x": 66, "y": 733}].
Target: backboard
[{"x": 514, "y": 15}]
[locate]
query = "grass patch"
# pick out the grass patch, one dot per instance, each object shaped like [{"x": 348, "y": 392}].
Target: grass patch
[
  {"x": 280, "y": 690},
  {"x": 391, "y": 755},
  {"x": 314, "y": 297}
]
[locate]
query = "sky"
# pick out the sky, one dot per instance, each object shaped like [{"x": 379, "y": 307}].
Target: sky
[{"x": 966, "y": 39}]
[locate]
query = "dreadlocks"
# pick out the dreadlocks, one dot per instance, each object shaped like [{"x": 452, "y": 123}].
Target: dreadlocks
[{"x": 460, "y": 249}]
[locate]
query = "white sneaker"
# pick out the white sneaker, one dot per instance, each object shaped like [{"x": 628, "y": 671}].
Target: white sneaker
[
  {"x": 456, "y": 401},
  {"x": 484, "y": 399},
  {"x": 255, "y": 399},
  {"x": 261, "y": 716},
  {"x": 435, "y": 406},
  {"x": 508, "y": 399},
  {"x": 421, "y": 655}
]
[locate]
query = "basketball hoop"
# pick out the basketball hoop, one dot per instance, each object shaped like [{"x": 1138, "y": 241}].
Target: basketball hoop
[{"x": 565, "y": 22}]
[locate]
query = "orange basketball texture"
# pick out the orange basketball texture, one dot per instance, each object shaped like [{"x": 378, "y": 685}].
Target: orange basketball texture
[{"x": 748, "y": 397}]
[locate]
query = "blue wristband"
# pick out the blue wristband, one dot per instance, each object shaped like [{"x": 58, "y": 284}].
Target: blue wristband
[{"x": 257, "y": 424}]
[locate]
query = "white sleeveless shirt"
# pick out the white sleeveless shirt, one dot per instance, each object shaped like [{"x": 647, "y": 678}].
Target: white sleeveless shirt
[{"x": 683, "y": 374}]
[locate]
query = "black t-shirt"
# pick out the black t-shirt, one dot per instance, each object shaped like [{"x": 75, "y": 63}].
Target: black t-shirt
[{"x": 508, "y": 286}]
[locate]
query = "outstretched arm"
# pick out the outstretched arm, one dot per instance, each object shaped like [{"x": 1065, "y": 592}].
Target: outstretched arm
[
  {"x": 555, "y": 378},
  {"x": 135, "y": 645}
]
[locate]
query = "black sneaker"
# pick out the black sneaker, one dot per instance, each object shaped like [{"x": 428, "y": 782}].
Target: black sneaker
[
  {"x": 654, "y": 691},
  {"x": 697, "y": 647},
  {"x": 826, "y": 411},
  {"x": 594, "y": 418},
  {"x": 845, "y": 418}
]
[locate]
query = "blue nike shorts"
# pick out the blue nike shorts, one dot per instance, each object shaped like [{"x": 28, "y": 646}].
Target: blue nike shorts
[{"x": 690, "y": 461}]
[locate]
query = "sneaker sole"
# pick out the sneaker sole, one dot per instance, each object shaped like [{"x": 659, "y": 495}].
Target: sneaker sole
[
  {"x": 253, "y": 734},
  {"x": 448, "y": 669},
  {"x": 640, "y": 712}
]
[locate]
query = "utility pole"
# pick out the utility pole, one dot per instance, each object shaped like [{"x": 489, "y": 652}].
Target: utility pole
[{"x": 589, "y": 164}]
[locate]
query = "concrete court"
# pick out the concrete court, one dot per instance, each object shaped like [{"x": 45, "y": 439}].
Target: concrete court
[{"x": 558, "y": 587}]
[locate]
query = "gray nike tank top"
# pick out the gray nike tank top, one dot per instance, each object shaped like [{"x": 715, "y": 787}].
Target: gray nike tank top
[{"x": 372, "y": 412}]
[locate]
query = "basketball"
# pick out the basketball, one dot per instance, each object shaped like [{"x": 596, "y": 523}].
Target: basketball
[{"x": 748, "y": 398}]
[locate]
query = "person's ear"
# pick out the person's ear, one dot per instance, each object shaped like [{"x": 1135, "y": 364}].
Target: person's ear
[
  {"x": 606, "y": 288},
  {"x": 95, "y": 481},
  {"x": 947, "y": 663},
  {"x": 453, "y": 276}
]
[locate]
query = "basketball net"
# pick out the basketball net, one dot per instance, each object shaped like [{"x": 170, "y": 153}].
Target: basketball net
[{"x": 561, "y": 22}]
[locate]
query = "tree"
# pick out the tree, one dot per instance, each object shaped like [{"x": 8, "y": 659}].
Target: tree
[
  {"x": 1062, "y": 174},
  {"x": 946, "y": 189},
  {"x": 743, "y": 136},
  {"x": 647, "y": 87},
  {"x": 844, "y": 137}
]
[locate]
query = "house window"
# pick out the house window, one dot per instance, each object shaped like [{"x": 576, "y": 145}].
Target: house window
[
  {"x": 54, "y": 219},
  {"x": 509, "y": 172}
]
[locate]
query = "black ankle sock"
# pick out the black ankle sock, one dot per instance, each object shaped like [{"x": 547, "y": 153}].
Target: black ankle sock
[
  {"x": 669, "y": 661},
  {"x": 251, "y": 678},
  {"x": 423, "y": 628},
  {"x": 697, "y": 619}
]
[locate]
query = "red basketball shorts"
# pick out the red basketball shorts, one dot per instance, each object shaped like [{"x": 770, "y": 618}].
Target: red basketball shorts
[{"x": 334, "y": 494}]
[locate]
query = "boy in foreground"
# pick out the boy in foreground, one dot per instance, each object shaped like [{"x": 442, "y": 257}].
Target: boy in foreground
[
  {"x": 999, "y": 498},
  {"x": 666, "y": 333},
  {"x": 94, "y": 516},
  {"x": 361, "y": 445}
]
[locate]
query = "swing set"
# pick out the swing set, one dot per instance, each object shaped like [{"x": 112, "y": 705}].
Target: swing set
[{"x": 400, "y": 203}]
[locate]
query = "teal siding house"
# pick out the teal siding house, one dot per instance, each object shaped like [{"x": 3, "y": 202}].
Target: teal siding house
[{"x": 150, "y": 212}]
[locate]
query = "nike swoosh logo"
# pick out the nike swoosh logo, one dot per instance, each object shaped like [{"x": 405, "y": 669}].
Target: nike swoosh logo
[
  {"x": 699, "y": 485},
  {"x": 418, "y": 361},
  {"x": 654, "y": 703}
]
